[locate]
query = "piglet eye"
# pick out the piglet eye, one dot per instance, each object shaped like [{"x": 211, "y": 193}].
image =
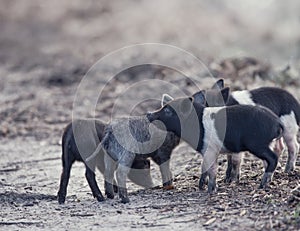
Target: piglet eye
[{"x": 168, "y": 111}]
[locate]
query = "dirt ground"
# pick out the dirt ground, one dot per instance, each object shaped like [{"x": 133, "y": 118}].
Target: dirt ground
[{"x": 47, "y": 47}]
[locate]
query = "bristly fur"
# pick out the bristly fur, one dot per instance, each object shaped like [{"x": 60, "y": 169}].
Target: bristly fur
[
  {"x": 120, "y": 149},
  {"x": 86, "y": 148},
  {"x": 227, "y": 129},
  {"x": 278, "y": 100}
]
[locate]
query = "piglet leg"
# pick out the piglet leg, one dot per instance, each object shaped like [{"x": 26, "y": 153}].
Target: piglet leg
[
  {"x": 212, "y": 173},
  {"x": 272, "y": 159},
  {"x": 203, "y": 180},
  {"x": 290, "y": 137},
  {"x": 110, "y": 167},
  {"x": 122, "y": 171},
  {"x": 64, "y": 180},
  {"x": 91, "y": 178},
  {"x": 166, "y": 175},
  {"x": 209, "y": 169},
  {"x": 293, "y": 148},
  {"x": 233, "y": 167},
  {"x": 163, "y": 160},
  {"x": 279, "y": 146}
]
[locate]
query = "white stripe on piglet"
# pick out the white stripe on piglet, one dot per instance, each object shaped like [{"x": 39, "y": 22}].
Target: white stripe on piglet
[{"x": 243, "y": 97}]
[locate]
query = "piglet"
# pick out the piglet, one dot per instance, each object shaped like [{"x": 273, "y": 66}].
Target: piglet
[
  {"x": 278, "y": 100},
  {"x": 130, "y": 138},
  {"x": 85, "y": 147},
  {"x": 222, "y": 129}
]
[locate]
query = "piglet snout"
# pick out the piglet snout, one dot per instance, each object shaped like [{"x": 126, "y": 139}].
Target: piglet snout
[{"x": 150, "y": 117}]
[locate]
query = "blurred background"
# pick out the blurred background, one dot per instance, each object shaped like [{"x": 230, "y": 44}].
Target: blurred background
[{"x": 45, "y": 35}]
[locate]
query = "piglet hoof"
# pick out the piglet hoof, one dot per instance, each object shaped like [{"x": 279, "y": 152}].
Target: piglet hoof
[
  {"x": 212, "y": 189},
  {"x": 124, "y": 200},
  {"x": 109, "y": 190},
  {"x": 168, "y": 185},
  {"x": 109, "y": 195},
  {"x": 289, "y": 168},
  {"x": 227, "y": 180},
  {"x": 266, "y": 179},
  {"x": 123, "y": 195},
  {"x": 202, "y": 182},
  {"x": 61, "y": 199},
  {"x": 232, "y": 178},
  {"x": 116, "y": 189},
  {"x": 100, "y": 198},
  {"x": 202, "y": 185}
]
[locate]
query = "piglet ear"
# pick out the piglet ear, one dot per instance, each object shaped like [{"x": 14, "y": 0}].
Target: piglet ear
[
  {"x": 218, "y": 85},
  {"x": 225, "y": 94},
  {"x": 186, "y": 106},
  {"x": 199, "y": 97},
  {"x": 166, "y": 99}
]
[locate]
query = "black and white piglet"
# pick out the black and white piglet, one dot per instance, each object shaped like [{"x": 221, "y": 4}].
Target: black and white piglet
[
  {"x": 281, "y": 102},
  {"x": 130, "y": 138},
  {"x": 86, "y": 143},
  {"x": 222, "y": 129}
]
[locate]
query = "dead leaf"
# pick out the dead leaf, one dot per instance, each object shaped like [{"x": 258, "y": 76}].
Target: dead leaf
[
  {"x": 210, "y": 221},
  {"x": 243, "y": 212}
]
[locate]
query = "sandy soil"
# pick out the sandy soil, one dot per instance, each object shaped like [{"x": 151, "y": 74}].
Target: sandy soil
[{"x": 47, "y": 47}]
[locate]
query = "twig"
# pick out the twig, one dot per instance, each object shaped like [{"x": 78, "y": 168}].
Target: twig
[
  {"x": 82, "y": 215},
  {"x": 20, "y": 222},
  {"x": 10, "y": 169}
]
